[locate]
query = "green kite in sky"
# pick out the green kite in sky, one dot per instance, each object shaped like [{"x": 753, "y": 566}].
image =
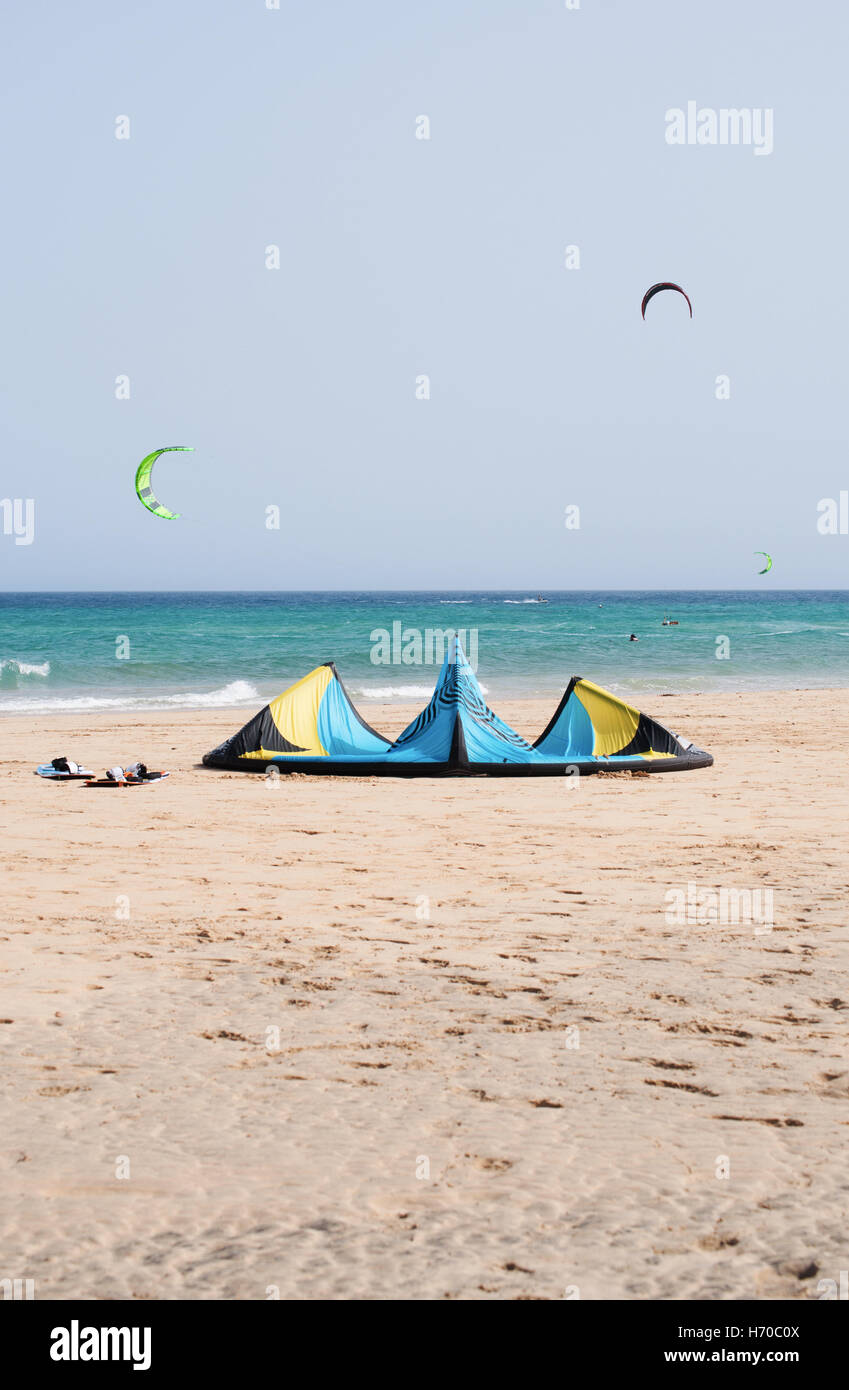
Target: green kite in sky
[{"x": 144, "y": 491}]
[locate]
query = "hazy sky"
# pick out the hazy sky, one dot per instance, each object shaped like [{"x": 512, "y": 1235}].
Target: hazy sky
[{"x": 252, "y": 127}]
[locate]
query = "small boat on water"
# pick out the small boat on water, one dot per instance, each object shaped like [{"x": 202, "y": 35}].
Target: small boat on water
[{"x": 669, "y": 622}]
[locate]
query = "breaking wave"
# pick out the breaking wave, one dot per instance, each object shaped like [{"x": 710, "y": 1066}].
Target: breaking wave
[
  {"x": 236, "y": 693},
  {"x": 396, "y": 692},
  {"x": 11, "y": 669}
]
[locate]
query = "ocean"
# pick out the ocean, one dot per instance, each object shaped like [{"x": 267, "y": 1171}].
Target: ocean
[{"x": 124, "y": 651}]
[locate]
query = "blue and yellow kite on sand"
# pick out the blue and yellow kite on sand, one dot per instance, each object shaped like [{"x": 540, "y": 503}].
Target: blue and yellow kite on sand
[{"x": 313, "y": 728}]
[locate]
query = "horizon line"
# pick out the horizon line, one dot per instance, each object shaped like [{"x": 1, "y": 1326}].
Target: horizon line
[{"x": 707, "y": 589}]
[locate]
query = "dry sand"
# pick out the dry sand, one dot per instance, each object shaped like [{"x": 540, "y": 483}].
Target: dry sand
[{"x": 518, "y": 1088}]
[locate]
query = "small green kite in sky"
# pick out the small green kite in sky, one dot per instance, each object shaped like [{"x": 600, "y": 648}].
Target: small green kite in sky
[{"x": 144, "y": 490}]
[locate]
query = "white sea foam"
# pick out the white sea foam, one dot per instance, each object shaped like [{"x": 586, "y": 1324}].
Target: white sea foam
[
  {"x": 24, "y": 668},
  {"x": 396, "y": 692},
  {"x": 236, "y": 693},
  {"x": 233, "y": 694},
  {"x": 802, "y": 629},
  {"x": 393, "y": 692}
]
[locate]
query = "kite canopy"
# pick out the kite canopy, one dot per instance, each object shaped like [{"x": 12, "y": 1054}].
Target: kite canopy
[
  {"x": 656, "y": 289},
  {"x": 144, "y": 490},
  {"x": 313, "y": 728}
]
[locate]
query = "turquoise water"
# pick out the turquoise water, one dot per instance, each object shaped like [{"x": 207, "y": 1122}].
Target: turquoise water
[{"x": 203, "y": 650}]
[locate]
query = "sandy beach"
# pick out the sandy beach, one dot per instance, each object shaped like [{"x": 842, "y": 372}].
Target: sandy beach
[{"x": 426, "y": 1039}]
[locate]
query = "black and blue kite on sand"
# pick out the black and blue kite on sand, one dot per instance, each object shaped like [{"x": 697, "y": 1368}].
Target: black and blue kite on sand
[{"x": 313, "y": 728}]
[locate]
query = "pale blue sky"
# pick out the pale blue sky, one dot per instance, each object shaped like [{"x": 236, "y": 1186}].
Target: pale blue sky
[{"x": 401, "y": 256}]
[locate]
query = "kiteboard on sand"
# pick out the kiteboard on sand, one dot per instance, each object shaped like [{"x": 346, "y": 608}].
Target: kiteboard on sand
[
  {"x": 128, "y": 781},
  {"x": 61, "y": 770}
]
